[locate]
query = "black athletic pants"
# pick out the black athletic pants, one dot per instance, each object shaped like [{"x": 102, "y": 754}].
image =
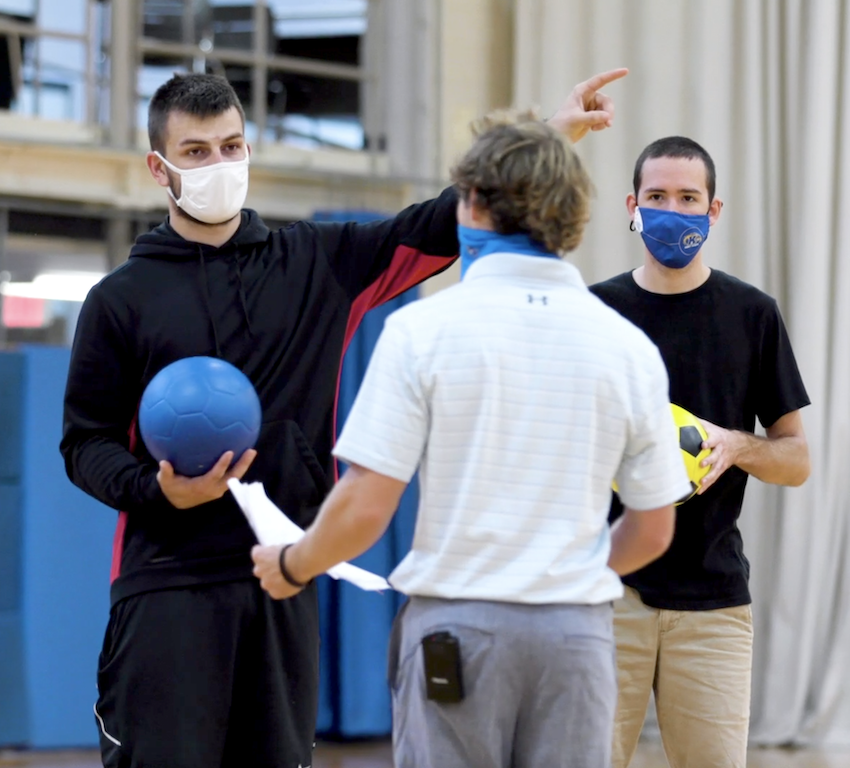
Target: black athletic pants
[{"x": 218, "y": 676}]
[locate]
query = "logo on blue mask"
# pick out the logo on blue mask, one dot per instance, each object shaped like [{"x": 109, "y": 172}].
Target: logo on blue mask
[{"x": 672, "y": 238}]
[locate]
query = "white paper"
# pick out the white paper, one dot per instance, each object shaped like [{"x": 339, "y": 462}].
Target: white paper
[{"x": 271, "y": 526}]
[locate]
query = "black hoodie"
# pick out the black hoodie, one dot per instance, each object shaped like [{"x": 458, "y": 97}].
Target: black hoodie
[{"x": 281, "y": 306}]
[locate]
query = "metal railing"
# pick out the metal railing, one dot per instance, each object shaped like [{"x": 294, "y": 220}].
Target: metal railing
[
  {"x": 105, "y": 89},
  {"x": 29, "y": 71},
  {"x": 198, "y": 50}
]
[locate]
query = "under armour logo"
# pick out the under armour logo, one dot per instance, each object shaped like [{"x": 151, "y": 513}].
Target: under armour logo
[{"x": 542, "y": 299}]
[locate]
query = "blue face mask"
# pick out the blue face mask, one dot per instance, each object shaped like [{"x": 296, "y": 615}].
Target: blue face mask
[
  {"x": 475, "y": 243},
  {"x": 672, "y": 238}
]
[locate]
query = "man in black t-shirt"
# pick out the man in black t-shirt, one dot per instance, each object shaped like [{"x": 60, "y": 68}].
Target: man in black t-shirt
[{"x": 684, "y": 627}]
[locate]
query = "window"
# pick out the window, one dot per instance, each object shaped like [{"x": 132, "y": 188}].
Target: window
[
  {"x": 51, "y": 58},
  {"x": 295, "y": 64}
]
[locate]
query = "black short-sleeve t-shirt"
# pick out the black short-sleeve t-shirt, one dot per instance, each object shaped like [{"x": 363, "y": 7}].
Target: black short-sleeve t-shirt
[{"x": 730, "y": 361}]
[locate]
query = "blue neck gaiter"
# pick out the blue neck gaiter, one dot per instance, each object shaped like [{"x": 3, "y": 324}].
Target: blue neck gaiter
[
  {"x": 475, "y": 243},
  {"x": 674, "y": 239}
]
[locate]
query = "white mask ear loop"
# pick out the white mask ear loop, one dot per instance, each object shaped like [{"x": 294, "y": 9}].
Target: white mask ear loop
[{"x": 176, "y": 170}]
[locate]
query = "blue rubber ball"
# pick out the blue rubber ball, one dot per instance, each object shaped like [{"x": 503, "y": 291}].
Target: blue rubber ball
[{"x": 196, "y": 409}]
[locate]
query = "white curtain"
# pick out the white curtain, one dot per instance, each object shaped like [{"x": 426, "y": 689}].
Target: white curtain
[{"x": 764, "y": 85}]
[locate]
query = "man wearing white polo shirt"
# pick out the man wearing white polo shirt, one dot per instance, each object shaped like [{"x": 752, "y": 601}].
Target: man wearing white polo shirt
[{"x": 520, "y": 397}]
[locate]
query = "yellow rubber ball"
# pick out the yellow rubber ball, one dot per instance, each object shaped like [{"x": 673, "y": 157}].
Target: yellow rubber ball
[{"x": 691, "y": 436}]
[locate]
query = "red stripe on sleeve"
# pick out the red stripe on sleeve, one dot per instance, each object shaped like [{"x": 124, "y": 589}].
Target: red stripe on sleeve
[
  {"x": 121, "y": 527},
  {"x": 408, "y": 268}
]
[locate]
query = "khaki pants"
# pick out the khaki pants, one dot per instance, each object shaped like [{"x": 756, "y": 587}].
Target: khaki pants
[{"x": 699, "y": 664}]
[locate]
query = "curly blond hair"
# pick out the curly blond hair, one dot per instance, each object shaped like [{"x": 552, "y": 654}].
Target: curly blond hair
[{"x": 527, "y": 178}]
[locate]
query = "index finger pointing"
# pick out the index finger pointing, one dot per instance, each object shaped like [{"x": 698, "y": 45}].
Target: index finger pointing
[{"x": 602, "y": 79}]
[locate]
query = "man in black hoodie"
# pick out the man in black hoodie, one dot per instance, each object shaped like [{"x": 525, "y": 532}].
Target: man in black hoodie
[{"x": 199, "y": 666}]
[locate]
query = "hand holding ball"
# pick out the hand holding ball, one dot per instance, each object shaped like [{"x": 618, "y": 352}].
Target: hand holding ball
[
  {"x": 195, "y": 410},
  {"x": 691, "y": 437}
]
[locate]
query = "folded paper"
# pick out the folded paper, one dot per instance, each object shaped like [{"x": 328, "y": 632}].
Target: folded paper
[{"x": 271, "y": 526}]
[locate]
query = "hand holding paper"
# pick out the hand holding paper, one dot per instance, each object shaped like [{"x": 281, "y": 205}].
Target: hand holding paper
[{"x": 271, "y": 526}]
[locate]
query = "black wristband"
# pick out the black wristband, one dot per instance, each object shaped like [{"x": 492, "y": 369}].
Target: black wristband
[{"x": 287, "y": 576}]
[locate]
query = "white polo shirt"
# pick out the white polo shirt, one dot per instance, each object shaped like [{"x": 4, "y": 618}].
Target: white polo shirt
[{"x": 520, "y": 396}]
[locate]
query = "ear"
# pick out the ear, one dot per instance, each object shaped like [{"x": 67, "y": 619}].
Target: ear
[
  {"x": 476, "y": 210},
  {"x": 157, "y": 169},
  {"x": 464, "y": 215},
  {"x": 714, "y": 211},
  {"x": 631, "y": 204}
]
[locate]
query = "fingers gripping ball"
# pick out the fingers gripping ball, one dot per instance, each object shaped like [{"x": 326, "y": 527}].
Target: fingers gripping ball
[
  {"x": 195, "y": 410},
  {"x": 691, "y": 436}
]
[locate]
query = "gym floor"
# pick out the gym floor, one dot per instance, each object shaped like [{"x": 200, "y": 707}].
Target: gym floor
[{"x": 378, "y": 755}]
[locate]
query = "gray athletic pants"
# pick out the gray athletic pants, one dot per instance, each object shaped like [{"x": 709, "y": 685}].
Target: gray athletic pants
[{"x": 540, "y": 684}]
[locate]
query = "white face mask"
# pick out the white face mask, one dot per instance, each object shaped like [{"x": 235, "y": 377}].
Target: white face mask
[{"x": 212, "y": 194}]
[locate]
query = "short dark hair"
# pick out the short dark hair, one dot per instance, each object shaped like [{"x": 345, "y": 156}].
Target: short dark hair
[
  {"x": 196, "y": 94},
  {"x": 676, "y": 146}
]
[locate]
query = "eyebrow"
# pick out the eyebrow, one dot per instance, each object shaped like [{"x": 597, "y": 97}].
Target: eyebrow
[
  {"x": 650, "y": 190},
  {"x": 232, "y": 137}
]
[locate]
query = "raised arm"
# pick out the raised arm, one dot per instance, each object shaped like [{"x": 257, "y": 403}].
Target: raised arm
[
  {"x": 388, "y": 257},
  {"x": 587, "y": 108}
]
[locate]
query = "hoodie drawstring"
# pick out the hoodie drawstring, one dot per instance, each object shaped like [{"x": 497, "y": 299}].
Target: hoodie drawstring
[
  {"x": 205, "y": 285},
  {"x": 242, "y": 297},
  {"x": 243, "y": 301}
]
